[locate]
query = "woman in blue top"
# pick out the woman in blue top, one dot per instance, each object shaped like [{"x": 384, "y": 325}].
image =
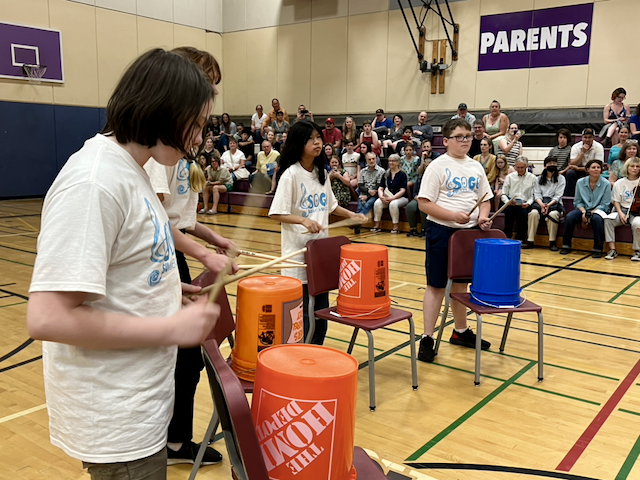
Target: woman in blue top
[
  {"x": 614, "y": 115},
  {"x": 593, "y": 195},
  {"x": 392, "y": 194}
]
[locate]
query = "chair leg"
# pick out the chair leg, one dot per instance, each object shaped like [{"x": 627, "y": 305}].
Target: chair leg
[
  {"x": 372, "y": 373},
  {"x": 353, "y": 340},
  {"x": 506, "y": 331},
  {"x": 444, "y": 315},
  {"x": 312, "y": 318},
  {"x": 540, "y": 347},
  {"x": 211, "y": 431},
  {"x": 478, "y": 348},
  {"x": 412, "y": 345}
]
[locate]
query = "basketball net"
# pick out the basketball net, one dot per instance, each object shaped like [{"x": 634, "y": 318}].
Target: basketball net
[{"x": 35, "y": 73}]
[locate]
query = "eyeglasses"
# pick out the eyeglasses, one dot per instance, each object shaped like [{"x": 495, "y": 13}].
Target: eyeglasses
[
  {"x": 462, "y": 138},
  {"x": 632, "y": 141}
]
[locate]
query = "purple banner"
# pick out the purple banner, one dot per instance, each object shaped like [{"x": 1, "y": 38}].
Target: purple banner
[
  {"x": 30, "y": 45},
  {"x": 551, "y": 37}
]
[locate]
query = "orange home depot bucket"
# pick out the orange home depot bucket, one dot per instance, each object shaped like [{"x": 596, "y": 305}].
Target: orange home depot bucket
[
  {"x": 364, "y": 281},
  {"x": 304, "y": 408},
  {"x": 269, "y": 312}
]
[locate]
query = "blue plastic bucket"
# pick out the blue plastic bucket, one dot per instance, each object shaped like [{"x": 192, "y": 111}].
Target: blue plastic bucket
[{"x": 496, "y": 273}]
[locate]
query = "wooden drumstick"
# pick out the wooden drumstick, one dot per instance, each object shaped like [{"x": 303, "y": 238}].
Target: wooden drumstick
[
  {"x": 500, "y": 210},
  {"x": 264, "y": 256},
  {"x": 478, "y": 203},
  {"x": 347, "y": 222},
  {"x": 214, "y": 290},
  {"x": 275, "y": 267}
]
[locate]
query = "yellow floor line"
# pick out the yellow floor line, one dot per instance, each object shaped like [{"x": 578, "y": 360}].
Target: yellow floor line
[{"x": 22, "y": 413}]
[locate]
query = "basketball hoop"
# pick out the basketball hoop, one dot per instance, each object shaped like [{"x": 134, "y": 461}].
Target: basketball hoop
[{"x": 34, "y": 72}]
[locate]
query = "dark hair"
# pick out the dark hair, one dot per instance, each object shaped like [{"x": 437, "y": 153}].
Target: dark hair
[
  {"x": 399, "y": 116},
  {"x": 478, "y": 122},
  {"x": 622, "y": 154},
  {"x": 363, "y": 159},
  {"x": 451, "y": 125},
  {"x": 542, "y": 180},
  {"x": 566, "y": 133},
  {"x": 280, "y": 112},
  {"x": 225, "y": 125},
  {"x": 591, "y": 162},
  {"x": 293, "y": 148},
  {"x": 204, "y": 60},
  {"x": 146, "y": 107},
  {"x": 366, "y": 122},
  {"x": 638, "y": 110},
  {"x": 349, "y": 141},
  {"x": 407, "y": 128}
]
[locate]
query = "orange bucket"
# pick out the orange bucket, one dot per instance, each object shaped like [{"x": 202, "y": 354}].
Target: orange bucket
[
  {"x": 363, "y": 284},
  {"x": 269, "y": 312},
  {"x": 304, "y": 408}
]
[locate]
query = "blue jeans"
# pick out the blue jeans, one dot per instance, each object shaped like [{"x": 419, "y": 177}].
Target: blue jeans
[
  {"x": 365, "y": 207},
  {"x": 573, "y": 218}
]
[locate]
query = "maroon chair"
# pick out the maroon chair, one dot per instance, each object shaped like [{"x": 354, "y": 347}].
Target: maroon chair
[
  {"x": 461, "y": 251},
  {"x": 239, "y": 430},
  {"x": 323, "y": 267}
]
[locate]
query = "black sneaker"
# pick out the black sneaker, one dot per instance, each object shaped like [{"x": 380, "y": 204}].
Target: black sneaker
[
  {"x": 188, "y": 452},
  {"x": 422, "y": 234},
  {"x": 426, "y": 353},
  {"x": 356, "y": 230},
  {"x": 553, "y": 247},
  {"x": 412, "y": 233},
  {"x": 596, "y": 254},
  {"x": 565, "y": 250},
  {"x": 467, "y": 339}
]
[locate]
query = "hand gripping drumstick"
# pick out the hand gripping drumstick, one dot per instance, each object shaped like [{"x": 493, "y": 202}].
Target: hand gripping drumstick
[
  {"x": 264, "y": 256},
  {"x": 500, "y": 210},
  {"x": 478, "y": 203},
  {"x": 347, "y": 222}
]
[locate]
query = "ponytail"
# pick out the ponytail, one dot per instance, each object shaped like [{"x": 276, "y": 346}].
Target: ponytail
[{"x": 196, "y": 177}]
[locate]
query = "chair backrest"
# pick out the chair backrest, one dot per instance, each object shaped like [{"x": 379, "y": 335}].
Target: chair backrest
[
  {"x": 461, "y": 250},
  {"x": 226, "y": 325},
  {"x": 323, "y": 263},
  {"x": 235, "y": 416}
]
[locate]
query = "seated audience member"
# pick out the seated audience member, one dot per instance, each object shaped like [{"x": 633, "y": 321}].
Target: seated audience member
[
  {"x": 392, "y": 194},
  {"x": 623, "y": 195},
  {"x": 368, "y": 184},
  {"x": 634, "y": 124},
  {"x": 422, "y": 131},
  {"x": 239, "y": 129},
  {"x": 271, "y": 116},
  {"x": 592, "y": 199},
  {"x": 614, "y": 114},
  {"x": 329, "y": 151},
  {"x": 510, "y": 145},
  {"x": 518, "y": 186},
  {"x": 562, "y": 151},
  {"x": 339, "y": 182},
  {"x": 629, "y": 150},
  {"x": 266, "y": 165},
  {"x": 581, "y": 153},
  {"x": 208, "y": 146},
  {"x": 350, "y": 132},
  {"x": 303, "y": 114},
  {"x": 331, "y": 134},
  {"x": 213, "y": 130},
  {"x": 623, "y": 135},
  {"x": 478, "y": 135},
  {"x": 463, "y": 112},
  {"x": 487, "y": 160},
  {"x": 227, "y": 130},
  {"x": 257, "y": 119},
  {"x": 362, "y": 161},
  {"x": 427, "y": 155},
  {"x": 407, "y": 139},
  {"x": 547, "y": 192},
  {"x": 203, "y": 161},
  {"x": 409, "y": 164},
  {"x": 370, "y": 137},
  {"x": 502, "y": 170},
  {"x": 218, "y": 181},
  {"x": 381, "y": 124},
  {"x": 496, "y": 124},
  {"x": 245, "y": 145},
  {"x": 280, "y": 126},
  {"x": 350, "y": 163},
  {"x": 271, "y": 138},
  {"x": 394, "y": 135},
  {"x": 234, "y": 161},
  {"x": 413, "y": 211}
]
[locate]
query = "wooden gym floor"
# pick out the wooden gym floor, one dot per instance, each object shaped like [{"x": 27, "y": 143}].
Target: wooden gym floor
[{"x": 583, "y": 421}]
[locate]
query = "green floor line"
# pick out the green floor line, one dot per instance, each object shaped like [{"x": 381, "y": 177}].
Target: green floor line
[
  {"x": 622, "y": 292},
  {"x": 17, "y": 263},
  {"x": 629, "y": 462},
  {"x": 12, "y": 305},
  {"x": 466, "y": 416},
  {"x": 590, "y": 402},
  {"x": 624, "y": 410}
]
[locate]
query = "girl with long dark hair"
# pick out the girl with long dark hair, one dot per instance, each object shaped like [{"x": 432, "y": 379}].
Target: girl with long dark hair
[
  {"x": 302, "y": 203},
  {"x": 547, "y": 193}
]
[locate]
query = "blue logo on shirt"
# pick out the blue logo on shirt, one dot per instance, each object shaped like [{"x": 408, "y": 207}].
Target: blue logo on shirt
[
  {"x": 312, "y": 203},
  {"x": 163, "y": 249},
  {"x": 456, "y": 185},
  {"x": 183, "y": 177}
]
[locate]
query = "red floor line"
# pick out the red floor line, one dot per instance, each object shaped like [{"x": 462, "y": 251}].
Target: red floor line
[{"x": 583, "y": 442}]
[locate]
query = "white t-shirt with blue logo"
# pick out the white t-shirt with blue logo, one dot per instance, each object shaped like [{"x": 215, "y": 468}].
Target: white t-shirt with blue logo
[
  {"x": 300, "y": 193},
  {"x": 455, "y": 185},
  {"x": 104, "y": 232}
]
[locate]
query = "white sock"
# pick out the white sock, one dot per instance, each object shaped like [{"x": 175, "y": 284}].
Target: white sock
[
  {"x": 461, "y": 330},
  {"x": 174, "y": 446},
  {"x": 424, "y": 335}
]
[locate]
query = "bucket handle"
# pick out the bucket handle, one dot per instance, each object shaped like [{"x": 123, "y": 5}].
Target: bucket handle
[
  {"x": 482, "y": 302},
  {"x": 336, "y": 314}
]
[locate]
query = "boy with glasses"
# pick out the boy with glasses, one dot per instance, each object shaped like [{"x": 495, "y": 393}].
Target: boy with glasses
[{"x": 450, "y": 188}]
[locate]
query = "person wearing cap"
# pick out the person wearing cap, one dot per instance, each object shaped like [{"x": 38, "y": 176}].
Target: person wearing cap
[
  {"x": 422, "y": 131},
  {"x": 463, "y": 112},
  {"x": 581, "y": 153},
  {"x": 380, "y": 123},
  {"x": 331, "y": 134}
]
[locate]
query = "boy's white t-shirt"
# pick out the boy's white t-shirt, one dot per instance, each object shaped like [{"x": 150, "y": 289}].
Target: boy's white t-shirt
[
  {"x": 350, "y": 163},
  {"x": 180, "y": 201},
  {"x": 104, "y": 232},
  {"x": 623, "y": 191},
  {"x": 300, "y": 193},
  {"x": 455, "y": 185}
]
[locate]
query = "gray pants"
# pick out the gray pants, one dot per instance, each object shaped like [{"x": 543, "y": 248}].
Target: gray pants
[
  {"x": 534, "y": 220},
  {"x": 610, "y": 225},
  {"x": 150, "y": 468}
]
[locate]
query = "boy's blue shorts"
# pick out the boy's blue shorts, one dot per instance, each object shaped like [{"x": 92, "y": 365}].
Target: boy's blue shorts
[{"x": 437, "y": 262}]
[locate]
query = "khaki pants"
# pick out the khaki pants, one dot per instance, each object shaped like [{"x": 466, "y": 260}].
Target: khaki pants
[
  {"x": 534, "y": 220},
  {"x": 150, "y": 468},
  {"x": 610, "y": 225}
]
